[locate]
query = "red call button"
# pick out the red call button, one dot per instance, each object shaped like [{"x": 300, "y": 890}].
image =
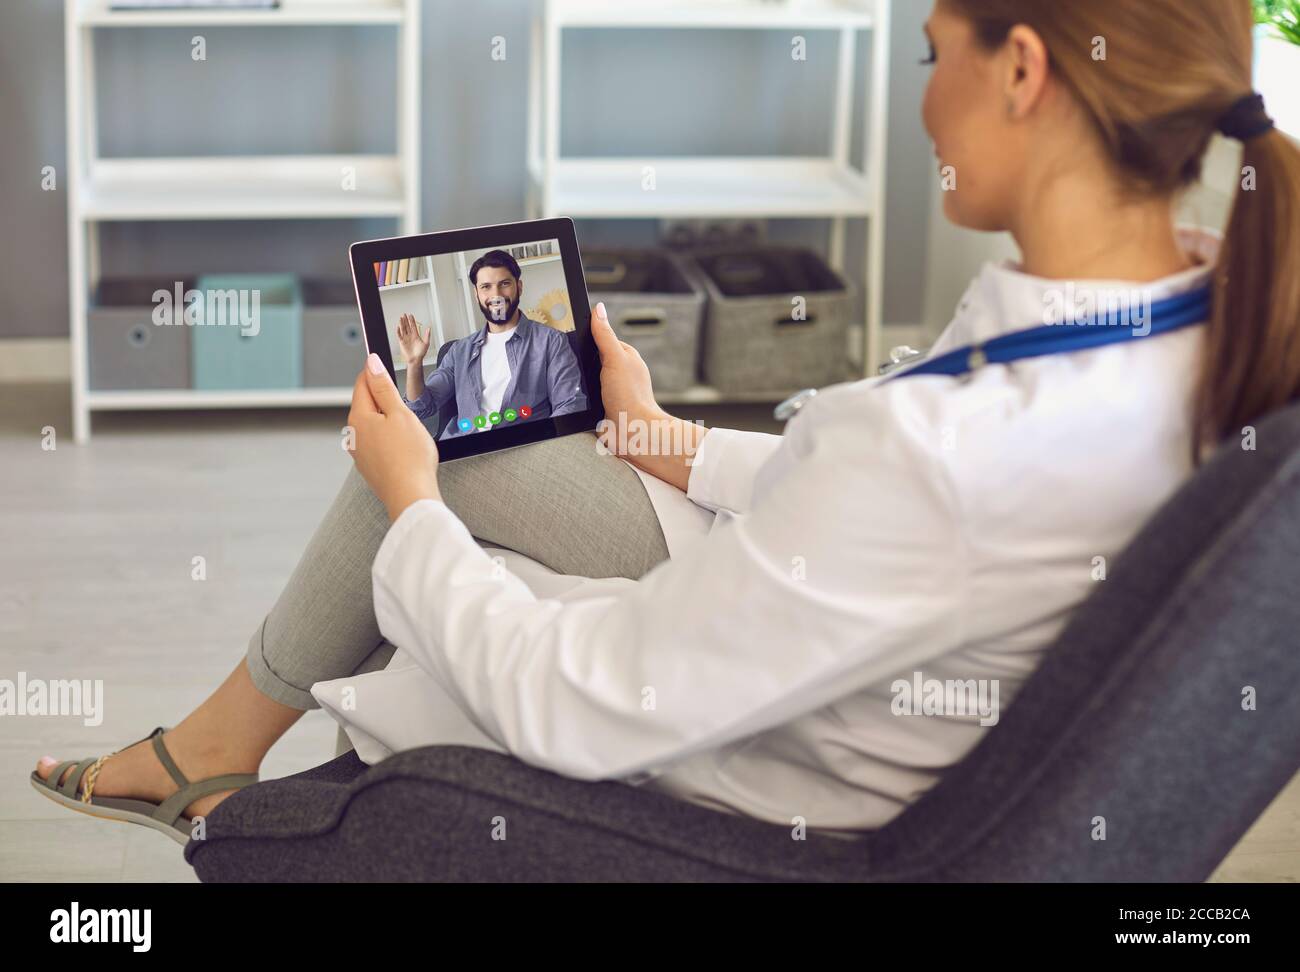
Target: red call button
[{"x": 525, "y": 411}]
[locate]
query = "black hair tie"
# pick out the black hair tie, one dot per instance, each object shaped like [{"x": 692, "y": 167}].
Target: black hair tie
[{"x": 1246, "y": 119}]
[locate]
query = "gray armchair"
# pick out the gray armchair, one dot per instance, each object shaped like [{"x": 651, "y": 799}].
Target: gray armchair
[{"x": 1135, "y": 716}]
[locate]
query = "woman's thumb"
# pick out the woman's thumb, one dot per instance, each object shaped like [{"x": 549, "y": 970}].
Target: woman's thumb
[
  {"x": 606, "y": 341},
  {"x": 382, "y": 389}
]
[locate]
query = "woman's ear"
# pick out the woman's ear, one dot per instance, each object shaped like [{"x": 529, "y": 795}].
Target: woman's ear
[{"x": 1027, "y": 69}]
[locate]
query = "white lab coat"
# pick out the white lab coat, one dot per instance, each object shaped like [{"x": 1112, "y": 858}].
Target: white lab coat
[{"x": 925, "y": 529}]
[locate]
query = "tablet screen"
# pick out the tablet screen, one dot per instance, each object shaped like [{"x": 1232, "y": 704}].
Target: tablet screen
[
  {"x": 484, "y": 338},
  {"x": 485, "y": 332}
]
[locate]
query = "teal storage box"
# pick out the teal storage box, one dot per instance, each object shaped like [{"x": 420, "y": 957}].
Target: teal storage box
[{"x": 248, "y": 333}]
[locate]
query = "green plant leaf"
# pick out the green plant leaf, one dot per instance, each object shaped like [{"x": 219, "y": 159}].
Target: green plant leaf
[{"x": 1282, "y": 17}]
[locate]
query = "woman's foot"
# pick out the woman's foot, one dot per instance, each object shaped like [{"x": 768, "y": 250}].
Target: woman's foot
[
  {"x": 136, "y": 773},
  {"x": 230, "y": 732}
]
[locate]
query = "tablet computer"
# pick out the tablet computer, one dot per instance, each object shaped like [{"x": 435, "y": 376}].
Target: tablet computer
[{"x": 486, "y": 331}]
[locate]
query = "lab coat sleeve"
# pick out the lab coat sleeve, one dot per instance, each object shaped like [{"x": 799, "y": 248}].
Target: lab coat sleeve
[
  {"x": 725, "y": 467},
  {"x": 833, "y": 581}
]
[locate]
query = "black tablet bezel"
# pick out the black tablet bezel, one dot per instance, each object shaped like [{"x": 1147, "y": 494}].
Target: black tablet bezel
[{"x": 364, "y": 255}]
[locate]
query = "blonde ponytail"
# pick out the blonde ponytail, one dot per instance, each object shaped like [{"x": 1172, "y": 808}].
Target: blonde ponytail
[{"x": 1252, "y": 360}]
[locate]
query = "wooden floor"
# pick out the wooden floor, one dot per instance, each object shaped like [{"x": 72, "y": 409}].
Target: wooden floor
[{"x": 95, "y": 583}]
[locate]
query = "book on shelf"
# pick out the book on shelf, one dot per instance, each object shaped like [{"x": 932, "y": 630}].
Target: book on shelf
[{"x": 389, "y": 273}]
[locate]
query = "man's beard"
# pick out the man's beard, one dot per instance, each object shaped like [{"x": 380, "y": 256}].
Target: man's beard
[{"x": 489, "y": 312}]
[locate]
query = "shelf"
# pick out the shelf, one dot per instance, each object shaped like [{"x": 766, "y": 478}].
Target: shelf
[
  {"x": 705, "y": 395},
  {"x": 291, "y": 13},
  {"x": 119, "y": 401},
  {"x": 188, "y": 398},
  {"x": 282, "y": 187},
  {"x": 409, "y": 283},
  {"x": 731, "y": 14},
  {"x": 273, "y": 187},
  {"x": 718, "y": 187}
]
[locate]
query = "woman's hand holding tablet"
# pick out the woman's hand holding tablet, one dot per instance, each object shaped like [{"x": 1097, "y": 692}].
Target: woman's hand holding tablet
[
  {"x": 630, "y": 405},
  {"x": 390, "y": 446}
]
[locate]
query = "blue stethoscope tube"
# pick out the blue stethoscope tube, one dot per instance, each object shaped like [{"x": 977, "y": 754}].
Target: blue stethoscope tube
[{"x": 1171, "y": 314}]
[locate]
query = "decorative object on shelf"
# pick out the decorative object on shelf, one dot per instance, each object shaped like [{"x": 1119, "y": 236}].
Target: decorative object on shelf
[
  {"x": 777, "y": 318},
  {"x": 553, "y": 310},
  {"x": 532, "y": 251},
  {"x": 656, "y": 304},
  {"x": 333, "y": 343},
  {"x": 399, "y": 273},
  {"x": 126, "y": 348},
  {"x": 249, "y": 333}
]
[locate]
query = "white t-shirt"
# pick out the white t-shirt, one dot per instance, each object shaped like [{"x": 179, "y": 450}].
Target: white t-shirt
[{"x": 496, "y": 370}]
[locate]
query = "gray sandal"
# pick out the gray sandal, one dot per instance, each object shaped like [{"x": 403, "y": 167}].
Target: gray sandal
[{"x": 164, "y": 817}]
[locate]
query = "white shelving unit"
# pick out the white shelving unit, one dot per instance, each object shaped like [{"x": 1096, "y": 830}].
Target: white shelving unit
[
  {"x": 426, "y": 288},
  {"x": 228, "y": 188},
  {"x": 99, "y": 13},
  {"x": 825, "y": 187}
]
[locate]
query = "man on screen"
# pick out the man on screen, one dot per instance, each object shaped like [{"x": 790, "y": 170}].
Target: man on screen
[{"x": 511, "y": 370}]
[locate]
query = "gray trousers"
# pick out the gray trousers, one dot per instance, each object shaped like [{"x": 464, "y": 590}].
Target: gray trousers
[{"x": 561, "y": 503}]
